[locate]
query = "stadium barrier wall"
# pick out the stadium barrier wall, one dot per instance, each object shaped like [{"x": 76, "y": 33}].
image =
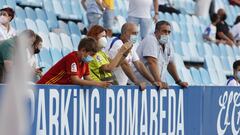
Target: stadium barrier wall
[{"x": 124, "y": 110}]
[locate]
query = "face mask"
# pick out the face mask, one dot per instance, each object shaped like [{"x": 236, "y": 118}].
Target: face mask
[
  {"x": 224, "y": 17},
  {"x": 164, "y": 39},
  {"x": 3, "y": 20},
  {"x": 87, "y": 59},
  {"x": 238, "y": 75},
  {"x": 102, "y": 42},
  {"x": 133, "y": 38},
  {"x": 36, "y": 51}
]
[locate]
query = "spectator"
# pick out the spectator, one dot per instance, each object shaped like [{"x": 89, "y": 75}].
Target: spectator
[
  {"x": 234, "y": 2},
  {"x": 236, "y": 30},
  {"x": 210, "y": 32},
  {"x": 101, "y": 66},
  {"x": 140, "y": 13},
  {"x": 235, "y": 80},
  {"x": 71, "y": 68},
  {"x": 31, "y": 51},
  {"x": 167, "y": 6},
  {"x": 7, "y": 48},
  {"x": 223, "y": 32},
  {"x": 94, "y": 9},
  {"x": 108, "y": 14},
  {"x": 6, "y": 30},
  {"x": 157, "y": 53},
  {"x": 125, "y": 72}
]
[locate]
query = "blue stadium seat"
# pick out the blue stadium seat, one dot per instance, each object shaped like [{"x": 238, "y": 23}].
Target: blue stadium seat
[
  {"x": 65, "y": 51},
  {"x": 177, "y": 48},
  {"x": 168, "y": 16},
  {"x": 78, "y": 10},
  {"x": 45, "y": 58},
  {"x": 169, "y": 79},
  {"x": 11, "y": 3},
  {"x": 55, "y": 41},
  {"x": 74, "y": 28},
  {"x": 175, "y": 17},
  {"x": 42, "y": 26},
  {"x": 75, "y": 40},
  {"x": 223, "y": 49},
  {"x": 186, "y": 50},
  {"x": 46, "y": 42},
  {"x": 208, "y": 62},
  {"x": 205, "y": 76},
  {"x": 20, "y": 13},
  {"x": 226, "y": 64},
  {"x": 20, "y": 24},
  {"x": 41, "y": 14},
  {"x": 48, "y": 6},
  {"x": 196, "y": 76},
  {"x": 236, "y": 52},
  {"x": 13, "y": 24},
  {"x": 64, "y": 27},
  {"x": 2, "y": 3},
  {"x": 67, "y": 7},
  {"x": 56, "y": 55},
  {"x": 178, "y": 61},
  {"x": 31, "y": 25},
  {"x": 216, "y": 50},
  {"x": 207, "y": 49},
  {"x": 200, "y": 49},
  {"x": 217, "y": 62},
  {"x": 31, "y": 14},
  {"x": 194, "y": 53},
  {"x": 214, "y": 76},
  {"x": 222, "y": 77},
  {"x": 229, "y": 51},
  {"x": 187, "y": 76},
  {"x": 66, "y": 41},
  {"x": 52, "y": 20},
  {"x": 176, "y": 27}
]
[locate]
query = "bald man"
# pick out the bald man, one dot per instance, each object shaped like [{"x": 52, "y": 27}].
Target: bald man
[{"x": 125, "y": 71}]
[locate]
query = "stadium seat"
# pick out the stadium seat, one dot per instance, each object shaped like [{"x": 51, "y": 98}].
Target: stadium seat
[
  {"x": 175, "y": 27},
  {"x": 74, "y": 28},
  {"x": 66, "y": 41},
  {"x": 55, "y": 41},
  {"x": 2, "y": 3},
  {"x": 41, "y": 14},
  {"x": 56, "y": 55},
  {"x": 200, "y": 49},
  {"x": 229, "y": 51},
  {"x": 11, "y": 3},
  {"x": 175, "y": 17},
  {"x": 64, "y": 27},
  {"x": 177, "y": 48},
  {"x": 52, "y": 20},
  {"x": 194, "y": 53},
  {"x": 78, "y": 10},
  {"x": 205, "y": 76},
  {"x": 187, "y": 76},
  {"x": 31, "y": 25},
  {"x": 236, "y": 52},
  {"x": 196, "y": 76},
  {"x": 20, "y": 24},
  {"x": 207, "y": 49},
  {"x": 178, "y": 61},
  {"x": 67, "y": 8},
  {"x": 31, "y": 14},
  {"x": 20, "y": 13},
  {"x": 75, "y": 41},
  {"x": 222, "y": 77},
  {"x": 186, "y": 50},
  {"x": 223, "y": 50},
  {"x": 45, "y": 58},
  {"x": 216, "y": 50},
  {"x": 214, "y": 76},
  {"x": 217, "y": 62},
  {"x": 65, "y": 51},
  {"x": 169, "y": 79},
  {"x": 48, "y": 6},
  {"x": 46, "y": 42},
  {"x": 208, "y": 63},
  {"x": 42, "y": 26}
]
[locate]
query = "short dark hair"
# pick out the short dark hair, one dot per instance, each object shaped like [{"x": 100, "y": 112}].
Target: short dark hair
[
  {"x": 160, "y": 23},
  {"x": 37, "y": 40},
  {"x": 89, "y": 43},
  {"x": 214, "y": 17},
  {"x": 236, "y": 64},
  {"x": 9, "y": 11}
]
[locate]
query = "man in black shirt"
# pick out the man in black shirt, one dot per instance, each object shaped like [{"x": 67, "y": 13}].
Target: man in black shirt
[{"x": 223, "y": 32}]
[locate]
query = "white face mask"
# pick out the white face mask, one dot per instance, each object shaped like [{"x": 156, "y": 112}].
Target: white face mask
[
  {"x": 4, "y": 20},
  {"x": 102, "y": 42},
  {"x": 133, "y": 38},
  {"x": 164, "y": 39}
]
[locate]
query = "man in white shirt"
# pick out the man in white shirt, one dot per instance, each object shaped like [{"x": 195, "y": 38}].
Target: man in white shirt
[
  {"x": 6, "y": 30},
  {"x": 125, "y": 72},
  {"x": 157, "y": 54},
  {"x": 235, "y": 80},
  {"x": 236, "y": 30},
  {"x": 140, "y": 13}
]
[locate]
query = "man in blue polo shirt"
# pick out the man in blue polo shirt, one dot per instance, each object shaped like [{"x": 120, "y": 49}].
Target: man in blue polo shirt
[{"x": 235, "y": 80}]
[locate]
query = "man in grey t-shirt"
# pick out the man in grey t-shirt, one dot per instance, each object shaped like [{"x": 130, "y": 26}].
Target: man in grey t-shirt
[{"x": 157, "y": 54}]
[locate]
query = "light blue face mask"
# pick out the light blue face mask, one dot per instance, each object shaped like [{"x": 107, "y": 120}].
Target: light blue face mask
[
  {"x": 87, "y": 59},
  {"x": 133, "y": 38},
  {"x": 164, "y": 39}
]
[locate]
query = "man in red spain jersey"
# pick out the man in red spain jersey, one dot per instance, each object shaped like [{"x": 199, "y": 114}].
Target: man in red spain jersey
[{"x": 74, "y": 66}]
